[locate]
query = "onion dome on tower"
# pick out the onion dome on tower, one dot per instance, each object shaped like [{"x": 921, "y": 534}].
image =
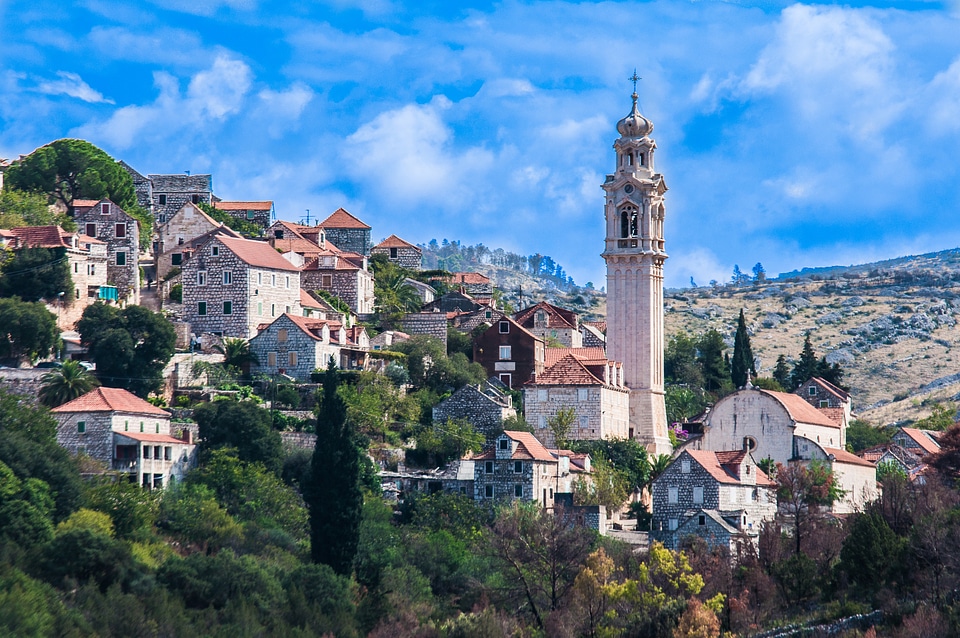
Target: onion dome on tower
[{"x": 635, "y": 124}]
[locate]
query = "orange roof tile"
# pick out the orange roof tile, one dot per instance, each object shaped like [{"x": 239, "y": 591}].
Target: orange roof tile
[
  {"x": 85, "y": 203},
  {"x": 309, "y": 324},
  {"x": 469, "y": 278},
  {"x": 923, "y": 441},
  {"x": 529, "y": 444},
  {"x": 714, "y": 462},
  {"x": 257, "y": 253},
  {"x": 39, "y": 236},
  {"x": 832, "y": 389},
  {"x": 342, "y": 219},
  {"x": 221, "y": 205},
  {"x": 567, "y": 371},
  {"x": 843, "y": 456},
  {"x": 556, "y": 317},
  {"x": 307, "y": 300},
  {"x": 801, "y": 411},
  {"x": 395, "y": 242},
  {"x": 150, "y": 438},
  {"x": 553, "y": 355},
  {"x": 110, "y": 400}
]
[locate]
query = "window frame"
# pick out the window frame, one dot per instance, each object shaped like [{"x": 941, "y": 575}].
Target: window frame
[
  {"x": 201, "y": 308},
  {"x": 121, "y": 257},
  {"x": 228, "y": 307}
]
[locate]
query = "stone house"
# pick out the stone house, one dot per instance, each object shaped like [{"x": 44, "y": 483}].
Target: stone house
[
  {"x": 920, "y": 442},
  {"x": 296, "y": 346},
  {"x": 717, "y": 496},
  {"x": 386, "y": 339},
  {"x": 470, "y": 321},
  {"x": 142, "y": 186},
  {"x": 552, "y": 324},
  {"x": 259, "y": 213},
  {"x": 474, "y": 284},
  {"x": 433, "y": 324},
  {"x": 485, "y": 405},
  {"x": 519, "y": 467},
  {"x": 171, "y": 192},
  {"x": 593, "y": 334},
  {"x": 181, "y": 235},
  {"x": 453, "y": 302},
  {"x": 828, "y": 398},
  {"x": 424, "y": 291},
  {"x": 87, "y": 263},
  {"x": 593, "y": 389},
  {"x": 231, "y": 286},
  {"x": 908, "y": 461},
  {"x": 355, "y": 353},
  {"x": 126, "y": 434},
  {"x": 400, "y": 252},
  {"x": 108, "y": 223},
  {"x": 344, "y": 275},
  {"x": 509, "y": 352},
  {"x": 856, "y": 476},
  {"x": 347, "y": 232}
]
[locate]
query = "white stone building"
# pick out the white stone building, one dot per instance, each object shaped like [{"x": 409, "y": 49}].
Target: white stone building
[{"x": 634, "y": 253}]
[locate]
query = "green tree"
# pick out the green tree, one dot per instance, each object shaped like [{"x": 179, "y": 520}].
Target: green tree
[
  {"x": 18, "y": 208},
  {"x": 710, "y": 349},
  {"x": 802, "y": 490},
  {"x": 743, "y": 363},
  {"x": 132, "y": 509},
  {"x": 806, "y": 366},
  {"x": 27, "y": 330},
  {"x": 130, "y": 346},
  {"x": 37, "y": 273},
  {"x": 680, "y": 361},
  {"x": 394, "y": 294},
  {"x": 682, "y": 403},
  {"x": 430, "y": 368},
  {"x": 606, "y": 486},
  {"x": 781, "y": 373},
  {"x": 870, "y": 553},
  {"x": 440, "y": 443},
  {"x": 190, "y": 513},
  {"x": 241, "y": 425},
  {"x": 247, "y": 228},
  {"x": 65, "y": 383},
  {"x": 559, "y": 425},
  {"x": 25, "y": 509},
  {"x": 70, "y": 169},
  {"x": 332, "y": 492},
  {"x": 861, "y": 435},
  {"x": 942, "y": 417},
  {"x": 237, "y": 354}
]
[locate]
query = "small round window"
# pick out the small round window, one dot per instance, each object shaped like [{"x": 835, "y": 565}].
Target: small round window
[{"x": 749, "y": 443}]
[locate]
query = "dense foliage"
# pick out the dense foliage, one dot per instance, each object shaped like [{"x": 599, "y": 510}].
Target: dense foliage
[
  {"x": 37, "y": 273},
  {"x": 28, "y": 331}
]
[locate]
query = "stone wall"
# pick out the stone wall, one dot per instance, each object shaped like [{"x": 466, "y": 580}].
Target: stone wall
[
  {"x": 171, "y": 192},
  {"x": 406, "y": 257},
  {"x": 96, "y": 441},
  {"x": 356, "y": 240},
  {"x": 426, "y": 323},
  {"x": 310, "y": 353},
  {"x": 24, "y": 382},
  {"x": 604, "y": 414},
  {"x": 126, "y": 276},
  {"x": 483, "y": 413},
  {"x": 353, "y": 287}
]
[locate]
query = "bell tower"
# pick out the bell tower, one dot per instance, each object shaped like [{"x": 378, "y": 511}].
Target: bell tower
[{"x": 634, "y": 253}]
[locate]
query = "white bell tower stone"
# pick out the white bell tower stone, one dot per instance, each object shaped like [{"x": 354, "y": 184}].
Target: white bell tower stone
[{"x": 634, "y": 253}]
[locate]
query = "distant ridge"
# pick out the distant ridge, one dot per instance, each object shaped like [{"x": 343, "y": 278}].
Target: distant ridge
[{"x": 949, "y": 257}]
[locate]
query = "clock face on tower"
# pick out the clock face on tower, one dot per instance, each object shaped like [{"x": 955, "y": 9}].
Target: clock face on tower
[{"x": 628, "y": 189}]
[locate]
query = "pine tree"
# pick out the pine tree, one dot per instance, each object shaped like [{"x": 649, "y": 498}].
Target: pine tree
[
  {"x": 332, "y": 491},
  {"x": 742, "y": 365},
  {"x": 806, "y": 367},
  {"x": 716, "y": 373},
  {"x": 781, "y": 372}
]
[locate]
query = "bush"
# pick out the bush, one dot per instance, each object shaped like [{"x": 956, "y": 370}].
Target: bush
[
  {"x": 288, "y": 395},
  {"x": 176, "y": 293}
]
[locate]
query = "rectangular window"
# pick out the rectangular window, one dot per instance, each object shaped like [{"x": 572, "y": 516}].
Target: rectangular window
[
  {"x": 272, "y": 359},
  {"x": 91, "y": 230},
  {"x": 824, "y": 404},
  {"x": 293, "y": 359},
  {"x": 201, "y": 277},
  {"x": 518, "y": 467},
  {"x": 504, "y": 327},
  {"x": 278, "y": 234},
  {"x": 167, "y": 453},
  {"x": 698, "y": 495},
  {"x": 81, "y": 426},
  {"x": 812, "y": 390},
  {"x": 273, "y": 310},
  {"x": 273, "y": 280},
  {"x": 201, "y": 308},
  {"x": 251, "y": 214},
  {"x": 120, "y": 230},
  {"x": 93, "y": 269},
  {"x": 702, "y": 520},
  {"x": 488, "y": 467},
  {"x": 288, "y": 281},
  {"x": 393, "y": 253},
  {"x": 260, "y": 308},
  {"x": 156, "y": 452},
  {"x": 157, "y": 426},
  {"x": 488, "y": 491},
  {"x": 228, "y": 307},
  {"x": 162, "y": 200},
  {"x": 146, "y": 451},
  {"x": 685, "y": 466},
  {"x": 542, "y": 421},
  {"x": 673, "y": 495},
  {"x": 326, "y": 281},
  {"x": 282, "y": 335},
  {"x": 141, "y": 426},
  {"x": 227, "y": 277},
  {"x": 195, "y": 198},
  {"x": 76, "y": 267},
  {"x": 504, "y": 444},
  {"x": 583, "y": 394},
  {"x": 259, "y": 278},
  {"x": 584, "y": 422},
  {"x": 507, "y": 380},
  {"x": 176, "y": 259},
  {"x": 673, "y": 524},
  {"x": 505, "y": 352},
  {"x": 518, "y": 490},
  {"x": 104, "y": 209},
  {"x": 121, "y": 258},
  {"x": 541, "y": 395},
  {"x": 215, "y": 251}
]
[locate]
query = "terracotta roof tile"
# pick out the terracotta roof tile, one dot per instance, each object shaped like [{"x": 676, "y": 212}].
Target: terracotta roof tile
[
  {"x": 151, "y": 438},
  {"x": 39, "y": 236},
  {"x": 567, "y": 371},
  {"x": 110, "y": 400},
  {"x": 834, "y": 414},
  {"x": 556, "y": 317},
  {"x": 474, "y": 278},
  {"x": 714, "y": 462},
  {"x": 395, "y": 242},
  {"x": 257, "y": 253},
  {"x": 923, "y": 441},
  {"x": 307, "y": 300},
  {"x": 843, "y": 456},
  {"x": 85, "y": 203},
  {"x": 801, "y": 411},
  {"x": 342, "y": 219},
  {"x": 309, "y": 324},
  {"x": 553, "y": 355},
  {"x": 529, "y": 444},
  {"x": 832, "y": 389},
  {"x": 599, "y": 325},
  {"x": 221, "y": 205}
]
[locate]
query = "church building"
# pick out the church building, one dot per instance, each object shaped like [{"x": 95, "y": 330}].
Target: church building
[{"x": 634, "y": 254}]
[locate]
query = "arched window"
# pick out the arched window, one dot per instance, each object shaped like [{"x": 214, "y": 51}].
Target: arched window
[
  {"x": 629, "y": 159},
  {"x": 642, "y": 159},
  {"x": 628, "y": 221},
  {"x": 624, "y": 224}
]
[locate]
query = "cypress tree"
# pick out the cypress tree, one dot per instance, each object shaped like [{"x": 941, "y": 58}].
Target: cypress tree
[
  {"x": 742, "y": 364},
  {"x": 332, "y": 491},
  {"x": 781, "y": 372},
  {"x": 806, "y": 367}
]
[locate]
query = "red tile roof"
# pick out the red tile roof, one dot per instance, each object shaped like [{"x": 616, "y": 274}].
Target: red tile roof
[
  {"x": 307, "y": 300},
  {"x": 714, "y": 462},
  {"x": 801, "y": 411},
  {"x": 468, "y": 278},
  {"x": 39, "y": 236},
  {"x": 257, "y": 253},
  {"x": 221, "y": 205},
  {"x": 842, "y": 456},
  {"x": 110, "y": 400},
  {"x": 529, "y": 444},
  {"x": 85, "y": 203},
  {"x": 309, "y": 324},
  {"x": 923, "y": 441},
  {"x": 342, "y": 219},
  {"x": 395, "y": 242},
  {"x": 151, "y": 438},
  {"x": 599, "y": 325},
  {"x": 567, "y": 371},
  {"x": 832, "y": 389},
  {"x": 834, "y": 414},
  {"x": 553, "y": 355},
  {"x": 556, "y": 317}
]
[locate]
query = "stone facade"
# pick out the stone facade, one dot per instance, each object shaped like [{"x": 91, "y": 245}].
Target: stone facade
[
  {"x": 400, "y": 252},
  {"x": 88, "y": 270},
  {"x": 453, "y": 302},
  {"x": 827, "y": 398},
  {"x": 552, "y": 324},
  {"x": 296, "y": 346},
  {"x": 126, "y": 434},
  {"x": 342, "y": 278},
  {"x": 346, "y": 232},
  {"x": 723, "y": 493},
  {"x": 259, "y": 213},
  {"x": 485, "y": 406},
  {"x": 518, "y": 467},
  {"x": 485, "y": 316},
  {"x": 596, "y": 394},
  {"x": 231, "y": 286},
  {"x": 120, "y": 232},
  {"x": 857, "y": 477},
  {"x": 634, "y": 253},
  {"x": 183, "y": 232},
  {"x": 171, "y": 192},
  {"x": 142, "y": 186},
  {"x": 509, "y": 352},
  {"x": 433, "y": 324}
]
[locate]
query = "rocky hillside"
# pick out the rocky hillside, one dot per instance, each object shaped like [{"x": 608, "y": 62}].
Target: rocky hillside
[{"x": 892, "y": 326}]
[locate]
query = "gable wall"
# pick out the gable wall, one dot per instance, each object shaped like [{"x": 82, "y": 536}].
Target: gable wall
[{"x": 127, "y": 277}]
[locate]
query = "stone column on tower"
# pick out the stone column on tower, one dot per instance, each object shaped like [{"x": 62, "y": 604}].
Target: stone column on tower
[{"x": 634, "y": 254}]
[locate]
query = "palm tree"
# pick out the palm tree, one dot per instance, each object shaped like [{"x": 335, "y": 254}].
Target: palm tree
[
  {"x": 237, "y": 354},
  {"x": 66, "y": 384}
]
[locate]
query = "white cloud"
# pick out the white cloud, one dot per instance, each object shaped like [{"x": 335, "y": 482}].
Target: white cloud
[
  {"x": 205, "y": 7},
  {"x": 162, "y": 45},
  {"x": 943, "y": 99},
  {"x": 701, "y": 264},
  {"x": 72, "y": 85}
]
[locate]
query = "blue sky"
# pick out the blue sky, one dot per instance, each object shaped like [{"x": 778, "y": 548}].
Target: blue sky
[{"x": 790, "y": 134}]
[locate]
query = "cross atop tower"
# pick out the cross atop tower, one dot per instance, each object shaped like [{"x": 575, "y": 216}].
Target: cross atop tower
[{"x": 634, "y": 78}]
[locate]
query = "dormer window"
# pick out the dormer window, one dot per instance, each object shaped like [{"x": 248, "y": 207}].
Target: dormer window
[{"x": 504, "y": 444}]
